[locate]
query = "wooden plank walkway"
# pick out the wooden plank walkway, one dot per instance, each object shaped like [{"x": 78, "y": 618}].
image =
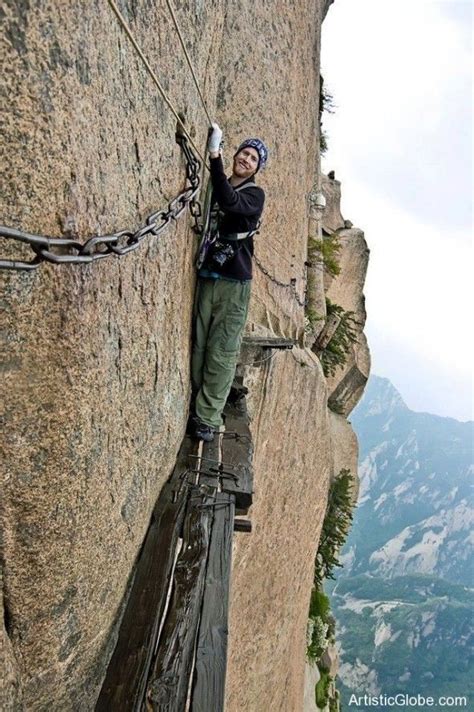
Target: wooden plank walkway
[
  {"x": 127, "y": 673},
  {"x": 211, "y": 650},
  {"x": 168, "y": 685},
  {"x": 237, "y": 454},
  {"x": 269, "y": 342},
  {"x": 172, "y": 645}
]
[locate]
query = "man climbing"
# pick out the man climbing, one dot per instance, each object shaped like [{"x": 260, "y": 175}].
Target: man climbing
[{"x": 224, "y": 280}]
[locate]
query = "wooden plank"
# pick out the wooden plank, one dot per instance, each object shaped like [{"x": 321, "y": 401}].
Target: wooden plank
[
  {"x": 167, "y": 688},
  {"x": 125, "y": 682},
  {"x": 211, "y": 651},
  {"x": 211, "y": 451},
  {"x": 211, "y": 459},
  {"x": 243, "y": 525},
  {"x": 237, "y": 453},
  {"x": 268, "y": 342},
  {"x": 123, "y": 686},
  {"x": 186, "y": 457}
]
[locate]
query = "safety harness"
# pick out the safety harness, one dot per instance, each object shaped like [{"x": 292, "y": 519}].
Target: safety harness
[{"x": 211, "y": 238}]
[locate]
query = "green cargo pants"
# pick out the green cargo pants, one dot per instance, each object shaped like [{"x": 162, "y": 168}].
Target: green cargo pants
[{"x": 220, "y": 313}]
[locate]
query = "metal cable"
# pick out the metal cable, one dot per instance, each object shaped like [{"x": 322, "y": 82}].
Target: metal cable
[
  {"x": 263, "y": 360},
  {"x": 153, "y": 75},
  {"x": 291, "y": 285},
  {"x": 170, "y": 7}
]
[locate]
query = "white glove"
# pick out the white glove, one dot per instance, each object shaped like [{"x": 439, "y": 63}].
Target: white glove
[{"x": 214, "y": 142}]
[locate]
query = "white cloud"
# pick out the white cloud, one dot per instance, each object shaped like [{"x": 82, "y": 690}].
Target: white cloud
[
  {"x": 401, "y": 76},
  {"x": 419, "y": 282},
  {"x": 399, "y": 73}
]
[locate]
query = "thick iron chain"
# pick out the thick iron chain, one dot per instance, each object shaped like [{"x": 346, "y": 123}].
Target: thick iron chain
[
  {"x": 291, "y": 285},
  {"x": 61, "y": 250}
]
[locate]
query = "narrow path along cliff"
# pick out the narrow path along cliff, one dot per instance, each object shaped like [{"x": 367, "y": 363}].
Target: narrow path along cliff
[{"x": 97, "y": 351}]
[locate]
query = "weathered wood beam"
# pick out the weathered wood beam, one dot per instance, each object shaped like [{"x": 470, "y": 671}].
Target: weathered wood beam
[
  {"x": 211, "y": 651},
  {"x": 125, "y": 682},
  {"x": 268, "y": 342},
  {"x": 147, "y": 672},
  {"x": 327, "y": 333},
  {"x": 123, "y": 687},
  {"x": 167, "y": 688},
  {"x": 243, "y": 525},
  {"x": 237, "y": 452}
]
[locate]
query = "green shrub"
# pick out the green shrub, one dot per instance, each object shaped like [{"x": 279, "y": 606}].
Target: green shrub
[
  {"x": 322, "y": 689},
  {"x": 323, "y": 142},
  {"x": 320, "y": 621},
  {"x": 311, "y": 317},
  {"x": 326, "y": 104},
  {"x": 335, "y": 353},
  {"x": 322, "y": 625},
  {"x": 328, "y": 249},
  {"x": 337, "y": 522},
  {"x": 334, "y": 705},
  {"x": 318, "y": 640},
  {"x": 319, "y": 605},
  {"x": 326, "y": 99},
  {"x": 331, "y": 623}
]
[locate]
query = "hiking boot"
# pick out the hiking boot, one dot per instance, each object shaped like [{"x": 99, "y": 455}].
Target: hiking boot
[
  {"x": 202, "y": 431},
  {"x": 191, "y": 424},
  {"x": 236, "y": 394}
]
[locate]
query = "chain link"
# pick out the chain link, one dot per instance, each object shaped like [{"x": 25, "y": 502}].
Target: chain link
[
  {"x": 291, "y": 285},
  {"x": 58, "y": 249}
]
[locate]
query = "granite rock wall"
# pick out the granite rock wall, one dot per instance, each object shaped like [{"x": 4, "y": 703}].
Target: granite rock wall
[
  {"x": 347, "y": 385},
  {"x": 96, "y": 357}
]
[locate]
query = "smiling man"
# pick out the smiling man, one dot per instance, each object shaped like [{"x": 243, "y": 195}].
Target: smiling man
[{"x": 224, "y": 280}]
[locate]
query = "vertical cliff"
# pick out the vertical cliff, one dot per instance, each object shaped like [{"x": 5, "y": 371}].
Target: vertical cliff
[{"x": 97, "y": 356}]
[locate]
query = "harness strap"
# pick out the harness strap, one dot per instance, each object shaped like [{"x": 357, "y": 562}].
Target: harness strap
[
  {"x": 242, "y": 235},
  {"x": 238, "y": 235}
]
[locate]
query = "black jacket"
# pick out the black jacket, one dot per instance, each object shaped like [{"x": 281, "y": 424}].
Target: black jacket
[{"x": 241, "y": 211}]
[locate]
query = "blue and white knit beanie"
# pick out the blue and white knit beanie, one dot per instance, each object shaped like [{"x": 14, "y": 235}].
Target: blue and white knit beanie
[{"x": 259, "y": 147}]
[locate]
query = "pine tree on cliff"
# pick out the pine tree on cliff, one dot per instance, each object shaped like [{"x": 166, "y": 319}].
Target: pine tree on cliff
[{"x": 336, "y": 524}]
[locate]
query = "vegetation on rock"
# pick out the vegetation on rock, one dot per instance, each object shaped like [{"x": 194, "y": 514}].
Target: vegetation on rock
[
  {"x": 328, "y": 250},
  {"x": 335, "y": 353},
  {"x": 337, "y": 522},
  {"x": 326, "y": 103},
  {"x": 321, "y": 626},
  {"x": 322, "y": 689}
]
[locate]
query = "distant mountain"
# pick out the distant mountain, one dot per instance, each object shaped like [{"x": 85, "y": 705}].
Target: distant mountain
[
  {"x": 415, "y": 512},
  {"x": 404, "y": 600}
]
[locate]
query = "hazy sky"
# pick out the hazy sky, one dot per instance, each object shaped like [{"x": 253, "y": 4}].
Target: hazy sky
[{"x": 400, "y": 72}]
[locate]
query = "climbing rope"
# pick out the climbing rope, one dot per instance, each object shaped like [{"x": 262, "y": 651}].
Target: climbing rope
[
  {"x": 125, "y": 241},
  {"x": 51, "y": 249},
  {"x": 285, "y": 285},
  {"x": 152, "y": 74},
  {"x": 170, "y": 7}
]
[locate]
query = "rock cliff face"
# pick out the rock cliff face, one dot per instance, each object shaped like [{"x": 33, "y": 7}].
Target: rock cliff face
[
  {"x": 97, "y": 357},
  {"x": 347, "y": 386}
]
